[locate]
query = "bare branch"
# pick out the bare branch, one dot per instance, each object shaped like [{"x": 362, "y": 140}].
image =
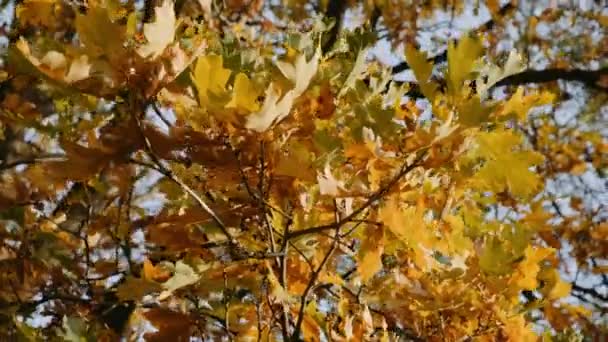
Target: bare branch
[{"x": 589, "y": 78}]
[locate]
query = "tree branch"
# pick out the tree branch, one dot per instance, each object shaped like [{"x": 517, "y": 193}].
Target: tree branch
[
  {"x": 589, "y": 291},
  {"x": 589, "y": 78},
  {"x": 313, "y": 280}
]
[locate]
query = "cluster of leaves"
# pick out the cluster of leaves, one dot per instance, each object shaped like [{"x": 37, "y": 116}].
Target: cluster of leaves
[{"x": 180, "y": 171}]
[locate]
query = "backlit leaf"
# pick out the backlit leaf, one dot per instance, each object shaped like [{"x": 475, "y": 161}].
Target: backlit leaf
[
  {"x": 184, "y": 275},
  {"x": 160, "y": 33},
  {"x": 244, "y": 94},
  {"x": 462, "y": 57},
  {"x": 210, "y": 77}
]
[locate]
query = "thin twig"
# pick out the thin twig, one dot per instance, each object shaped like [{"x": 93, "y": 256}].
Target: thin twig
[
  {"x": 313, "y": 280},
  {"x": 171, "y": 176},
  {"x": 405, "y": 169}
]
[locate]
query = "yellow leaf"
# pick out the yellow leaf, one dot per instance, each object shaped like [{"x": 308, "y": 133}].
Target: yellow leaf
[
  {"x": 301, "y": 72},
  {"x": 277, "y": 290},
  {"x": 527, "y": 270},
  {"x": 54, "y": 60},
  {"x": 161, "y": 32},
  {"x": 555, "y": 287},
  {"x": 417, "y": 60},
  {"x": 99, "y": 34},
  {"x": 491, "y": 74},
  {"x": 506, "y": 165},
  {"x": 560, "y": 289},
  {"x": 422, "y": 70},
  {"x": 408, "y": 226},
  {"x": 458, "y": 242},
  {"x": 154, "y": 273},
  {"x": 369, "y": 259},
  {"x": 210, "y": 77},
  {"x": 328, "y": 184},
  {"x": 275, "y": 108},
  {"x": 54, "y": 63},
  {"x": 461, "y": 59},
  {"x": 244, "y": 94},
  {"x": 517, "y": 330},
  {"x": 131, "y": 24},
  {"x": 520, "y": 104},
  {"x": 577, "y": 310},
  {"x": 495, "y": 258},
  {"x": 296, "y": 162}
]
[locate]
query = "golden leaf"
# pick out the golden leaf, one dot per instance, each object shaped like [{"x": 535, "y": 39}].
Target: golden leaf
[
  {"x": 527, "y": 270},
  {"x": 210, "y": 77},
  {"x": 369, "y": 259},
  {"x": 461, "y": 59},
  {"x": 244, "y": 94}
]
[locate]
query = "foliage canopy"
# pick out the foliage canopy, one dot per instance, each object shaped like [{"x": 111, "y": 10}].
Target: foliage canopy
[{"x": 250, "y": 170}]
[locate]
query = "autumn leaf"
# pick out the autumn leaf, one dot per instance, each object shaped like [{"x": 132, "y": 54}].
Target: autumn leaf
[
  {"x": 99, "y": 34},
  {"x": 461, "y": 60},
  {"x": 506, "y": 164},
  {"x": 79, "y": 70},
  {"x": 273, "y": 109},
  {"x": 520, "y": 104},
  {"x": 554, "y": 286},
  {"x": 37, "y": 13},
  {"x": 495, "y": 257},
  {"x": 183, "y": 275},
  {"x": 528, "y": 269},
  {"x": 179, "y": 170},
  {"x": 328, "y": 184},
  {"x": 154, "y": 273},
  {"x": 422, "y": 70},
  {"x": 489, "y": 75},
  {"x": 301, "y": 72},
  {"x": 210, "y": 77},
  {"x": 135, "y": 288},
  {"x": 277, "y": 107},
  {"x": 409, "y": 226},
  {"x": 517, "y": 329},
  {"x": 54, "y": 64},
  {"x": 160, "y": 33},
  {"x": 244, "y": 94},
  {"x": 74, "y": 329},
  {"x": 370, "y": 254}
]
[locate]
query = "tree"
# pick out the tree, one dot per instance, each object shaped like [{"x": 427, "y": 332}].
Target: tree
[{"x": 248, "y": 170}]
